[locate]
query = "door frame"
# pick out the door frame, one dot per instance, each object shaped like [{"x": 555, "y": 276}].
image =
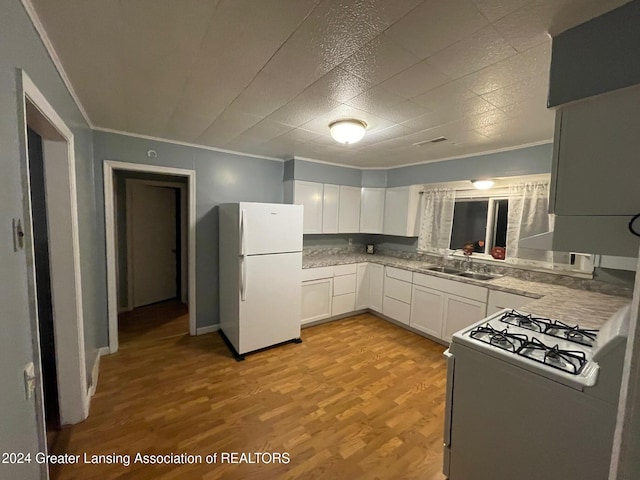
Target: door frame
[
  {"x": 109, "y": 167},
  {"x": 129, "y": 182},
  {"x": 64, "y": 246}
]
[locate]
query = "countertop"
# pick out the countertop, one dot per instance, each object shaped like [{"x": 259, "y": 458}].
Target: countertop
[{"x": 569, "y": 305}]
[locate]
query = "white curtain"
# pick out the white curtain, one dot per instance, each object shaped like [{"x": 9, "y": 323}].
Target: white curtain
[
  {"x": 437, "y": 220},
  {"x": 528, "y": 216}
]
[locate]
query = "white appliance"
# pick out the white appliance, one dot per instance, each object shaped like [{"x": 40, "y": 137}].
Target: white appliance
[
  {"x": 260, "y": 274},
  {"x": 531, "y": 398}
]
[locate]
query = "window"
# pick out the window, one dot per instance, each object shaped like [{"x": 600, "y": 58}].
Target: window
[{"x": 482, "y": 222}]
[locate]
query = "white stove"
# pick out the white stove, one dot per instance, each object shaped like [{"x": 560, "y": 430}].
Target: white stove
[
  {"x": 548, "y": 347},
  {"x": 537, "y": 388}
]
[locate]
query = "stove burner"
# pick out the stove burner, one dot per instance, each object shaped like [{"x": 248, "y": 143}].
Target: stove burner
[
  {"x": 501, "y": 339},
  {"x": 554, "y": 328},
  {"x": 575, "y": 334},
  {"x": 570, "y": 361},
  {"x": 525, "y": 321}
]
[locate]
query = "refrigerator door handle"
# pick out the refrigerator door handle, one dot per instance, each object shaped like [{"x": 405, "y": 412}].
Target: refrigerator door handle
[
  {"x": 243, "y": 259},
  {"x": 243, "y": 232},
  {"x": 243, "y": 278}
]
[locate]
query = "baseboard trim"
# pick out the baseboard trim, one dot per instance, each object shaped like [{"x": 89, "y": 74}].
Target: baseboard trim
[
  {"x": 335, "y": 317},
  {"x": 208, "y": 329},
  {"x": 95, "y": 371}
]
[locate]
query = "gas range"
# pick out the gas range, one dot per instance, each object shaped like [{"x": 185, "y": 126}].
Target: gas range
[{"x": 544, "y": 346}]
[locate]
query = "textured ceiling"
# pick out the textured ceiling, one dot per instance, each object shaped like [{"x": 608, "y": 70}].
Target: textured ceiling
[{"x": 266, "y": 77}]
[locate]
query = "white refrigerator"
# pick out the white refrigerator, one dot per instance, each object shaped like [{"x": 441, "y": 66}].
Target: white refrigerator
[{"x": 260, "y": 274}]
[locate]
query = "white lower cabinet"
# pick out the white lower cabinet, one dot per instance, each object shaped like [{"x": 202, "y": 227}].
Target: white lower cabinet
[
  {"x": 376, "y": 286},
  {"x": 362, "y": 286},
  {"x": 317, "y": 299},
  {"x": 501, "y": 300},
  {"x": 397, "y": 294},
  {"x": 440, "y": 307},
  {"x": 427, "y": 310},
  {"x": 460, "y": 312},
  {"x": 430, "y": 304}
]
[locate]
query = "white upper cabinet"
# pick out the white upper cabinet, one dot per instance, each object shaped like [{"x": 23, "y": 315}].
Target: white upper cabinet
[
  {"x": 309, "y": 195},
  {"x": 401, "y": 211},
  {"x": 330, "y": 202},
  {"x": 349, "y": 210},
  {"x": 596, "y": 161},
  {"x": 372, "y": 210}
]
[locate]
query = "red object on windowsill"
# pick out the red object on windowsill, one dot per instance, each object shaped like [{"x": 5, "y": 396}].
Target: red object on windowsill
[{"x": 498, "y": 253}]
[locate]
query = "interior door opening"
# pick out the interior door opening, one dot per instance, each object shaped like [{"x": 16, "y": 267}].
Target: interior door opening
[
  {"x": 43, "y": 286},
  {"x": 152, "y": 256}
]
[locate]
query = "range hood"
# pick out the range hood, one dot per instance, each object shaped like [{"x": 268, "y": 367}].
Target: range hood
[
  {"x": 541, "y": 241},
  {"x": 603, "y": 234}
]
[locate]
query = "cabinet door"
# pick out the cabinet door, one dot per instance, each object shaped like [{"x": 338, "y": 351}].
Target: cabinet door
[
  {"x": 362, "y": 286},
  {"x": 501, "y": 300},
  {"x": 349, "y": 210},
  {"x": 376, "y": 286},
  {"x": 401, "y": 211},
  {"x": 372, "y": 210},
  {"x": 309, "y": 195},
  {"x": 459, "y": 313},
  {"x": 317, "y": 296},
  {"x": 330, "y": 200},
  {"x": 427, "y": 308},
  {"x": 596, "y": 147}
]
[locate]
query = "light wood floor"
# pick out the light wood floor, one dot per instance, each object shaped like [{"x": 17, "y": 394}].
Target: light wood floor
[{"x": 358, "y": 399}]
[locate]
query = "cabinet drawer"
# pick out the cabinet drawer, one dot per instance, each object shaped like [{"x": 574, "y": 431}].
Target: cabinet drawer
[
  {"x": 462, "y": 289},
  {"x": 344, "y": 284},
  {"x": 316, "y": 273},
  {"x": 343, "y": 304},
  {"x": 398, "y": 273},
  {"x": 397, "y": 310},
  {"x": 397, "y": 289},
  {"x": 344, "y": 269}
]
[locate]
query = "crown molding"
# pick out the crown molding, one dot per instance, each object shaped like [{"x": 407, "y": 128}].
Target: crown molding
[
  {"x": 46, "y": 41},
  {"x": 185, "y": 144}
]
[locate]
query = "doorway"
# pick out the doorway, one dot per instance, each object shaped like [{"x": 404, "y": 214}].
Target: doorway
[
  {"x": 44, "y": 301},
  {"x": 52, "y": 251},
  {"x": 151, "y": 231},
  {"x": 138, "y": 283}
]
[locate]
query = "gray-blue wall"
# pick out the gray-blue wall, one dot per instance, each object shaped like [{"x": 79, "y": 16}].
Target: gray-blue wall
[
  {"x": 21, "y": 47},
  {"x": 322, "y": 173},
  {"x": 596, "y": 57},
  {"x": 511, "y": 163},
  {"x": 220, "y": 178}
]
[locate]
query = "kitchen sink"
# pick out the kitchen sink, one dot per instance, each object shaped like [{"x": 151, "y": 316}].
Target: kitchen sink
[
  {"x": 451, "y": 271},
  {"x": 478, "y": 276}
]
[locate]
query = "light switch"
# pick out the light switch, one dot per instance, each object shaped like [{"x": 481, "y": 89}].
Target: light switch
[{"x": 18, "y": 235}]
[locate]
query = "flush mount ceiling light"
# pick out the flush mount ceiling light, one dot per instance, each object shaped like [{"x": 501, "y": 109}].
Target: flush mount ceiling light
[
  {"x": 482, "y": 184},
  {"x": 347, "y": 131}
]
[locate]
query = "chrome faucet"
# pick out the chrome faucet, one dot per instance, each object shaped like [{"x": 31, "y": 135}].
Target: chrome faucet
[{"x": 468, "y": 263}]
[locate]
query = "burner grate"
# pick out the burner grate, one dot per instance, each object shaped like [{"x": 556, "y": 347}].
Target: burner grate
[
  {"x": 574, "y": 334},
  {"x": 570, "y": 361},
  {"x": 554, "y": 328},
  {"x": 510, "y": 342}
]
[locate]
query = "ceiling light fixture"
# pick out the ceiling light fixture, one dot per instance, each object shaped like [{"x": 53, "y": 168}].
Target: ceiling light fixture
[
  {"x": 347, "y": 131},
  {"x": 482, "y": 184}
]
